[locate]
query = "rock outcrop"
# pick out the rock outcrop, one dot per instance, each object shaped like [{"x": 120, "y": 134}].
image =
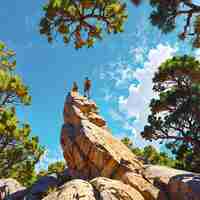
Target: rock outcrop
[
  {"x": 73, "y": 190},
  {"x": 89, "y": 148},
  {"x": 176, "y": 184},
  {"x": 98, "y": 189},
  {"x": 100, "y": 167},
  {"x": 161, "y": 174},
  {"x": 108, "y": 189},
  {"x": 91, "y": 151}
]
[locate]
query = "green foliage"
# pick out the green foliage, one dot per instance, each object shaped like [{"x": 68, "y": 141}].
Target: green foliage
[
  {"x": 175, "y": 115},
  {"x": 152, "y": 156},
  {"x": 162, "y": 15},
  {"x": 165, "y": 15},
  {"x": 127, "y": 142},
  {"x": 85, "y": 21},
  {"x": 19, "y": 152},
  {"x": 49, "y": 191},
  {"x": 12, "y": 89},
  {"x": 82, "y": 21},
  {"x": 56, "y": 167},
  {"x": 149, "y": 155}
]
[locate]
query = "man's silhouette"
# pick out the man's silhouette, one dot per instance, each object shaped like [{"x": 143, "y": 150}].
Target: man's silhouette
[
  {"x": 87, "y": 86},
  {"x": 74, "y": 89}
]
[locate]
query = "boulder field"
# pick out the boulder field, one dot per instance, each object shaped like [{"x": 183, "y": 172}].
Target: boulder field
[{"x": 101, "y": 167}]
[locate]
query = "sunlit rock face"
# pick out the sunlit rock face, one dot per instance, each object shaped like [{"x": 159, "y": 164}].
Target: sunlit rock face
[
  {"x": 111, "y": 169},
  {"x": 73, "y": 190},
  {"x": 99, "y": 189},
  {"x": 100, "y": 167},
  {"x": 89, "y": 148},
  {"x": 91, "y": 151},
  {"x": 177, "y": 184}
]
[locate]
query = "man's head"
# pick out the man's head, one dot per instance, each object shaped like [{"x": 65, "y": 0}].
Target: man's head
[{"x": 86, "y": 78}]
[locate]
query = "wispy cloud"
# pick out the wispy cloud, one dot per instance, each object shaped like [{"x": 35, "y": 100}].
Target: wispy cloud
[
  {"x": 121, "y": 118},
  {"x": 119, "y": 72},
  {"x": 133, "y": 108},
  {"x": 138, "y": 54},
  {"x": 136, "y": 104}
]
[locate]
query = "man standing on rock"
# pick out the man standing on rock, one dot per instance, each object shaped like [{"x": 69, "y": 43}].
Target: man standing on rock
[
  {"x": 74, "y": 89},
  {"x": 87, "y": 86}
]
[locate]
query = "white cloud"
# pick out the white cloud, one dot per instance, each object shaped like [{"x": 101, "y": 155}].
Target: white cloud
[
  {"x": 124, "y": 74},
  {"x": 137, "y": 102},
  {"x": 120, "y": 73},
  {"x": 130, "y": 130},
  {"x": 117, "y": 116},
  {"x": 138, "y": 54}
]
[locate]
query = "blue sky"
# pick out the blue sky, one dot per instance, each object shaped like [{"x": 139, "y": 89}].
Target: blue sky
[{"x": 119, "y": 66}]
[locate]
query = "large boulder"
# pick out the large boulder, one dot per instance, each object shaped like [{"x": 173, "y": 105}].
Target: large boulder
[
  {"x": 177, "y": 184},
  {"x": 91, "y": 151},
  {"x": 73, "y": 190},
  {"x": 161, "y": 174},
  {"x": 89, "y": 148},
  {"x": 98, "y": 189},
  {"x": 108, "y": 189},
  {"x": 143, "y": 185}
]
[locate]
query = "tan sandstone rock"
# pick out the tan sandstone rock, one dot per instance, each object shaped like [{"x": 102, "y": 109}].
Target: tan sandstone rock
[
  {"x": 91, "y": 151},
  {"x": 177, "y": 184},
  {"x": 109, "y": 189},
  {"x": 89, "y": 148},
  {"x": 73, "y": 190},
  {"x": 138, "y": 182},
  {"x": 161, "y": 173},
  {"x": 98, "y": 189}
]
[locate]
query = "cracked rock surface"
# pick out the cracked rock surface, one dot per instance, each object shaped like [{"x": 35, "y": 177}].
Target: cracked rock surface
[{"x": 91, "y": 151}]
